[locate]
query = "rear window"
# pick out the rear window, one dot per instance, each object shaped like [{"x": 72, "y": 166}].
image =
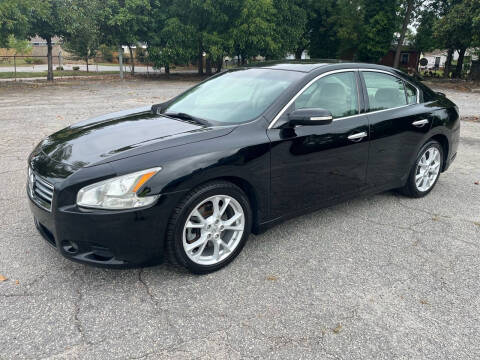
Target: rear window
[{"x": 384, "y": 91}]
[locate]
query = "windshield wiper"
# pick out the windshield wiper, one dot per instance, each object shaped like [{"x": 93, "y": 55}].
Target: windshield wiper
[{"x": 185, "y": 116}]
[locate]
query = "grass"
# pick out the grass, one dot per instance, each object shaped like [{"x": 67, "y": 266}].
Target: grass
[
  {"x": 20, "y": 63},
  {"x": 20, "y": 75}
]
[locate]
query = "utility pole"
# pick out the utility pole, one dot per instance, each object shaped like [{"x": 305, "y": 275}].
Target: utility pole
[{"x": 120, "y": 60}]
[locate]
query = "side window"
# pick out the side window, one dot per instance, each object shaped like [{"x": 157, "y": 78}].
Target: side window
[
  {"x": 411, "y": 93},
  {"x": 336, "y": 93},
  {"x": 384, "y": 91}
]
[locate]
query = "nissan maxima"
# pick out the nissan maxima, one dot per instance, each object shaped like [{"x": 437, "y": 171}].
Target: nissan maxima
[{"x": 188, "y": 180}]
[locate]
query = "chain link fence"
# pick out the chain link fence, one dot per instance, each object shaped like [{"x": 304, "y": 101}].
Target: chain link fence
[{"x": 13, "y": 67}]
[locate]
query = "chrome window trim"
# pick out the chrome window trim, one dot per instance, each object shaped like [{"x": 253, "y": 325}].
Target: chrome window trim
[
  {"x": 280, "y": 113},
  {"x": 300, "y": 92}
]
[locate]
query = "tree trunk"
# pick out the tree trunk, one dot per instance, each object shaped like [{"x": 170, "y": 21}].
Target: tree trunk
[
  {"x": 448, "y": 62},
  {"x": 298, "y": 53},
  {"x": 403, "y": 32},
  {"x": 219, "y": 65},
  {"x": 132, "y": 60},
  {"x": 49, "y": 59},
  {"x": 200, "y": 61},
  {"x": 120, "y": 60},
  {"x": 86, "y": 60},
  {"x": 167, "y": 68},
  {"x": 417, "y": 62},
  {"x": 461, "y": 56},
  {"x": 209, "y": 65}
]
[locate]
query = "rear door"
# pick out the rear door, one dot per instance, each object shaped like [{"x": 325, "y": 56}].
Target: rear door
[{"x": 398, "y": 125}]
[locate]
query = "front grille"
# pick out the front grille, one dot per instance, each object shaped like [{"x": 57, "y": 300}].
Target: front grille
[{"x": 41, "y": 190}]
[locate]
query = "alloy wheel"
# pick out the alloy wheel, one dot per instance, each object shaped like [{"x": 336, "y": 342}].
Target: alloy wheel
[
  {"x": 213, "y": 230},
  {"x": 428, "y": 169}
]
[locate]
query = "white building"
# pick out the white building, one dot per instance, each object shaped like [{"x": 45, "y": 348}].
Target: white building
[
  {"x": 305, "y": 56},
  {"x": 437, "y": 58}
]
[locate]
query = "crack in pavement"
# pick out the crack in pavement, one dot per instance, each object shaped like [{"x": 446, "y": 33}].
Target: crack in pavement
[
  {"x": 77, "y": 307},
  {"x": 156, "y": 304}
]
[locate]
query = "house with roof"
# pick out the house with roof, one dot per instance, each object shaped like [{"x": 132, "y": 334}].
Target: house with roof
[
  {"x": 39, "y": 46},
  {"x": 437, "y": 58}
]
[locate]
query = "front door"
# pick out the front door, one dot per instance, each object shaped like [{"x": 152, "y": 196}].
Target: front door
[{"x": 311, "y": 165}]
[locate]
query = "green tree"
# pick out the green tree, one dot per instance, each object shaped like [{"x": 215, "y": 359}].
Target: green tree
[
  {"x": 407, "y": 13},
  {"x": 83, "y": 33},
  {"x": 440, "y": 8},
  {"x": 458, "y": 29},
  {"x": 291, "y": 38},
  {"x": 424, "y": 39},
  {"x": 48, "y": 19},
  {"x": 13, "y": 20},
  {"x": 323, "y": 29},
  {"x": 125, "y": 22},
  {"x": 172, "y": 43},
  {"x": 254, "y": 30},
  {"x": 378, "y": 29},
  {"x": 207, "y": 28},
  {"x": 348, "y": 31},
  {"x": 21, "y": 46}
]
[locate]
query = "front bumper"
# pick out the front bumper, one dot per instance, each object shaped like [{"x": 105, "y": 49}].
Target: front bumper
[{"x": 107, "y": 238}]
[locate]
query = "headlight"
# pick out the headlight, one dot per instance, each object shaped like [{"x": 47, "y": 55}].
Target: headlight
[{"x": 118, "y": 193}]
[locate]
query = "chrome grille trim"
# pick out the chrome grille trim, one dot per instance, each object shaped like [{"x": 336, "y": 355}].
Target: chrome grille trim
[{"x": 41, "y": 191}]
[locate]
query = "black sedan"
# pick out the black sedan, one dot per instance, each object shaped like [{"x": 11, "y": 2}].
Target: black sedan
[{"x": 189, "y": 179}]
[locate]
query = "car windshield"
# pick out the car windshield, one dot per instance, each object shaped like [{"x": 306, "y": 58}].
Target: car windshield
[{"x": 233, "y": 97}]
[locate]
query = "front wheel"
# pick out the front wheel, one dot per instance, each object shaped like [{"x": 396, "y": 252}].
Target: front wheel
[
  {"x": 209, "y": 228},
  {"x": 426, "y": 170}
]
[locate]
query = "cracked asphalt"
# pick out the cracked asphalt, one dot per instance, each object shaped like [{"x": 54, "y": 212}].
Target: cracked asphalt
[{"x": 384, "y": 277}]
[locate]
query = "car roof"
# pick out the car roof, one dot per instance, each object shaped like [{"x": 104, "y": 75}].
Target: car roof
[
  {"x": 307, "y": 66},
  {"x": 301, "y": 67}
]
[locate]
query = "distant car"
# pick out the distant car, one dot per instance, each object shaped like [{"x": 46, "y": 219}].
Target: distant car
[{"x": 189, "y": 179}]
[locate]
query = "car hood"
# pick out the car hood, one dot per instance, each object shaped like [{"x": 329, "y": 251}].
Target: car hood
[{"x": 119, "y": 135}]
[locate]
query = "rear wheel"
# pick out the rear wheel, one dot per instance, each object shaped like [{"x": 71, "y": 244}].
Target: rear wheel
[
  {"x": 209, "y": 228},
  {"x": 426, "y": 170}
]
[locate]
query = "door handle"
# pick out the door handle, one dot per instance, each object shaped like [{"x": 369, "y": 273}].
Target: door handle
[
  {"x": 420, "y": 123},
  {"x": 357, "y": 136}
]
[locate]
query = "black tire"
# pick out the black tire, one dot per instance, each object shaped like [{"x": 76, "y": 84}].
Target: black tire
[
  {"x": 175, "y": 252},
  {"x": 410, "y": 189}
]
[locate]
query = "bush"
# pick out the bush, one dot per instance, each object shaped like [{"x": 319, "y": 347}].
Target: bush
[
  {"x": 59, "y": 68},
  {"x": 33, "y": 61},
  {"x": 107, "y": 53},
  {"x": 76, "y": 68}
]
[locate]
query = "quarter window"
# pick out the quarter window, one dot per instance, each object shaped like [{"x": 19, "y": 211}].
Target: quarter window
[
  {"x": 336, "y": 93},
  {"x": 384, "y": 91},
  {"x": 411, "y": 93}
]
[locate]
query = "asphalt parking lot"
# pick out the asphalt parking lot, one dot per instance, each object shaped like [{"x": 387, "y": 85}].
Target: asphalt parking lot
[{"x": 384, "y": 277}]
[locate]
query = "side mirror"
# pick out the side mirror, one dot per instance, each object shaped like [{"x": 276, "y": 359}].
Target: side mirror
[
  {"x": 441, "y": 93},
  {"x": 310, "y": 116}
]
